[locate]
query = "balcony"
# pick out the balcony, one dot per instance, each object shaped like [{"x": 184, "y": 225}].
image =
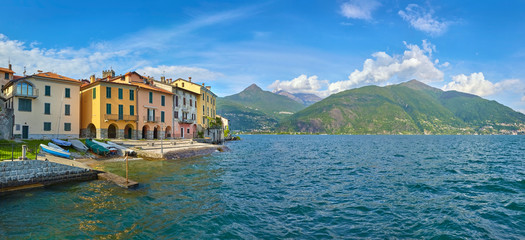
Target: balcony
[
  {"x": 190, "y": 121},
  {"x": 30, "y": 94},
  {"x": 117, "y": 117},
  {"x": 151, "y": 119}
]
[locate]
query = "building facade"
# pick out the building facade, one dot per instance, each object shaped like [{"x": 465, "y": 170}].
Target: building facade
[
  {"x": 154, "y": 107},
  {"x": 45, "y": 105},
  {"x": 184, "y": 109},
  {"x": 206, "y": 100},
  {"x": 108, "y": 110}
]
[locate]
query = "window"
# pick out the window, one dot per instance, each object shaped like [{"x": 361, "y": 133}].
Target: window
[
  {"x": 47, "y": 126},
  {"x": 47, "y": 108},
  {"x": 202, "y": 109},
  {"x": 162, "y": 100},
  {"x": 191, "y": 103},
  {"x": 6, "y": 75},
  {"x": 162, "y": 116},
  {"x": 132, "y": 110},
  {"x": 203, "y": 97},
  {"x": 176, "y": 114},
  {"x": 131, "y": 94},
  {"x": 150, "y": 97},
  {"x": 67, "y": 127},
  {"x": 176, "y": 101},
  {"x": 17, "y": 127},
  {"x": 151, "y": 115},
  {"x": 67, "y": 109},
  {"x": 188, "y": 130},
  {"x": 182, "y": 84},
  {"x": 108, "y": 92},
  {"x": 120, "y": 93},
  {"x": 24, "y": 89},
  {"x": 24, "y": 105},
  {"x": 68, "y": 93},
  {"x": 94, "y": 93},
  {"x": 184, "y": 101},
  {"x": 120, "y": 112},
  {"x": 108, "y": 108},
  {"x": 207, "y": 98},
  {"x": 48, "y": 91}
]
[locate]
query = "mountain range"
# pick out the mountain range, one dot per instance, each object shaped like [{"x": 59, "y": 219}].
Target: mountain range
[
  {"x": 407, "y": 108},
  {"x": 306, "y": 99}
]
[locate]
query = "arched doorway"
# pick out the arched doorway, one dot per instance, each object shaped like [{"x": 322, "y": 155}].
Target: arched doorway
[
  {"x": 92, "y": 131},
  {"x": 156, "y": 132},
  {"x": 112, "y": 131},
  {"x": 167, "y": 132},
  {"x": 128, "y": 131},
  {"x": 145, "y": 130}
]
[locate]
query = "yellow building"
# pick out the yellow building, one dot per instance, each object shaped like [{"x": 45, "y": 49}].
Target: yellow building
[
  {"x": 108, "y": 110},
  {"x": 206, "y": 101}
]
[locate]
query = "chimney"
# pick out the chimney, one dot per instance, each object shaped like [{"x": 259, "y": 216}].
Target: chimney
[
  {"x": 189, "y": 78},
  {"x": 92, "y": 78},
  {"x": 203, "y": 84},
  {"x": 208, "y": 87},
  {"x": 10, "y": 66},
  {"x": 163, "y": 79}
]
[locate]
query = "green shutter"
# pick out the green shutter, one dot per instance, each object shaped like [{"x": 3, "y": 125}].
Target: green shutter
[
  {"x": 120, "y": 93},
  {"x": 47, "y": 108},
  {"x": 162, "y": 100},
  {"x": 150, "y": 97},
  {"x": 68, "y": 109},
  {"x": 131, "y": 95},
  {"x": 68, "y": 93},
  {"x": 47, "y": 126},
  {"x": 162, "y": 116},
  {"x": 24, "y": 105},
  {"x": 94, "y": 93},
  {"x": 120, "y": 112},
  {"x": 108, "y": 108},
  {"x": 132, "y": 110},
  {"x": 48, "y": 91},
  {"x": 67, "y": 127},
  {"x": 108, "y": 92}
]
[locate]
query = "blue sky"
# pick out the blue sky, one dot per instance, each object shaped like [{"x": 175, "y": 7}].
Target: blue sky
[{"x": 319, "y": 47}]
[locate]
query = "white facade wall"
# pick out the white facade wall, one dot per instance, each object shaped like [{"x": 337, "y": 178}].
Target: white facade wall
[{"x": 36, "y": 118}]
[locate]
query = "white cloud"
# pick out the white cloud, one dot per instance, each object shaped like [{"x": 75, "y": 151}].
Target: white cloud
[
  {"x": 415, "y": 63},
  {"x": 523, "y": 99},
  {"x": 197, "y": 74},
  {"x": 477, "y": 84},
  {"x": 359, "y": 9},
  {"x": 76, "y": 63},
  {"x": 301, "y": 84},
  {"x": 422, "y": 20}
]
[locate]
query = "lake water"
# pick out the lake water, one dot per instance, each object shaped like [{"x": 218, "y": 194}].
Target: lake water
[{"x": 305, "y": 187}]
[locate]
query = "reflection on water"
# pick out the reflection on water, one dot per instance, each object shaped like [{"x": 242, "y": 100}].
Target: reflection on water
[{"x": 295, "y": 187}]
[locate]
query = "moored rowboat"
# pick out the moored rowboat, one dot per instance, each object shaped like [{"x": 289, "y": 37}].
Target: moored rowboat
[
  {"x": 61, "y": 142},
  {"x": 55, "y": 151},
  {"x": 96, "y": 148},
  {"x": 78, "y": 145}
]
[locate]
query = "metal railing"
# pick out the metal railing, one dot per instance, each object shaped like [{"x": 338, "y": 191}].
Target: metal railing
[
  {"x": 151, "y": 119},
  {"x": 117, "y": 117},
  {"x": 34, "y": 94},
  {"x": 13, "y": 151}
]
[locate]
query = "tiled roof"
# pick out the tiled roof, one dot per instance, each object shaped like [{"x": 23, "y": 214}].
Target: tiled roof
[
  {"x": 17, "y": 77},
  {"x": 55, "y": 76},
  {"x": 146, "y": 86},
  {"x": 6, "y": 70}
]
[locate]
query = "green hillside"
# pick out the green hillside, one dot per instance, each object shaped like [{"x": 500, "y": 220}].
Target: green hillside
[
  {"x": 255, "y": 109},
  {"x": 407, "y": 108}
]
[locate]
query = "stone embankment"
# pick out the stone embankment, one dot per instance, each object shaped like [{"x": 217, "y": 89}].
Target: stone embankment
[
  {"x": 15, "y": 174},
  {"x": 171, "y": 149}
]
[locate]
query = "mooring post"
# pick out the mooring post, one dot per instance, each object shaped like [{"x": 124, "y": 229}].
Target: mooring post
[
  {"x": 24, "y": 149},
  {"x": 127, "y": 179}
]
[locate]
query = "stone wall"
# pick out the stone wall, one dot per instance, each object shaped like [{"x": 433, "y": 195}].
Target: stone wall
[
  {"x": 6, "y": 121},
  {"x": 19, "y": 173}
]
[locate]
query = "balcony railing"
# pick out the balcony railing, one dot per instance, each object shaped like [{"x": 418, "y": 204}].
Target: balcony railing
[
  {"x": 186, "y": 121},
  {"x": 117, "y": 117},
  {"x": 151, "y": 119},
  {"x": 32, "y": 94}
]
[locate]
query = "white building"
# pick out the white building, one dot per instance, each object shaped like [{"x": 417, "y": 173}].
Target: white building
[{"x": 45, "y": 105}]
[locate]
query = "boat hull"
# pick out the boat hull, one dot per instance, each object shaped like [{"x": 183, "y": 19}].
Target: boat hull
[
  {"x": 55, "y": 151},
  {"x": 96, "y": 148},
  {"x": 61, "y": 142}
]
